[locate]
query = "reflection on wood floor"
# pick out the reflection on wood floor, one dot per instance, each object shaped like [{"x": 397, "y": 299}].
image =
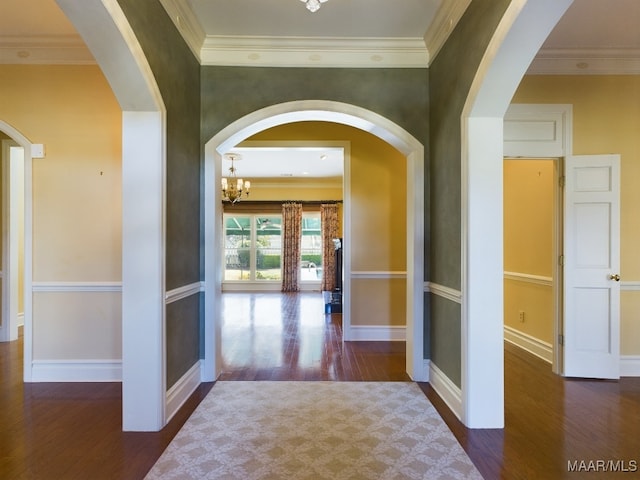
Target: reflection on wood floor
[
  {"x": 276, "y": 336},
  {"x": 74, "y": 430}
]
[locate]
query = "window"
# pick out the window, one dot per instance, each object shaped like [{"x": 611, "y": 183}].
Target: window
[
  {"x": 253, "y": 248},
  {"x": 311, "y": 248}
]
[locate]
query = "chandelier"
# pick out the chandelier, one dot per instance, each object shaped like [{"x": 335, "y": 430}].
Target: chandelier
[
  {"x": 313, "y": 5},
  {"x": 233, "y": 187}
]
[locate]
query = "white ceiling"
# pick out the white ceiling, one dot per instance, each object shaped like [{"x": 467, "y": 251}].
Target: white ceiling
[
  {"x": 287, "y": 162},
  {"x": 594, "y": 37}
]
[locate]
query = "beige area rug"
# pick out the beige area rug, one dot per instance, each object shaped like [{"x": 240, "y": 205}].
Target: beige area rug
[{"x": 314, "y": 430}]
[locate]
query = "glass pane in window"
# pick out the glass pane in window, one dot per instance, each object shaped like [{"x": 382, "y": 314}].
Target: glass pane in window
[
  {"x": 268, "y": 248},
  {"x": 237, "y": 248},
  {"x": 311, "y": 252}
]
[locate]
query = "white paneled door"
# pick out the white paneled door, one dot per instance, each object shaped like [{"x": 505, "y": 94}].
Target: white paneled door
[{"x": 592, "y": 266}]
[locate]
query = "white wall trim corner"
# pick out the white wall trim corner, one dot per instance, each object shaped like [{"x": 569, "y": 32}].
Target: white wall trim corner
[
  {"x": 631, "y": 286},
  {"x": 76, "y": 371},
  {"x": 446, "y": 389},
  {"x": 445, "y": 292},
  {"x": 183, "y": 292},
  {"x": 630, "y": 365},
  {"x": 528, "y": 278},
  {"x": 376, "y": 333},
  {"x": 533, "y": 345},
  {"x": 182, "y": 389}
]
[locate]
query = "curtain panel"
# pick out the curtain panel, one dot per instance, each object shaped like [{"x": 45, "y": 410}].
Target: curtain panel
[
  {"x": 330, "y": 224},
  {"x": 291, "y": 245}
]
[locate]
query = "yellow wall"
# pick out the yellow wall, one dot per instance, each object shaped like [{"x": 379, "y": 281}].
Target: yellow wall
[
  {"x": 274, "y": 189},
  {"x": 378, "y": 216},
  {"x": 606, "y": 119},
  {"x": 528, "y": 246},
  {"x": 76, "y": 203}
]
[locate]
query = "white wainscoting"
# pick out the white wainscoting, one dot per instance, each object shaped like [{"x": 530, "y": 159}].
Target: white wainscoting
[
  {"x": 76, "y": 371},
  {"x": 444, "y": 387},
  {"x": 528, "y": 278},
  {"x": 630, "y": 286},
  {"x": 381, "y": 275},
  {"x": 375, "y": 333},
  {"x": 183, "y": 292},
  {"x": 445, "y": 292},
  {"x": 448, "y": 391},
  {"x": 630, "y": 366},
  {"x": 533, "y": 345},
  {"x": 77, "y": 286},
  {"x": 182, "y": 390},
  {"x": 186, "y": 385}
]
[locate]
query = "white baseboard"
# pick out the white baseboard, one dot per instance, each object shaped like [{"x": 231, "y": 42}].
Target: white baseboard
[
  {"x": 182, "y": 390},
  {"x": 630, "y": 365},
  {"x": 448, "y": 391},
  {"x": 531, "y": 344},
  {"x": 76, "y": 371},
  {"x": 375, "y": 333}
]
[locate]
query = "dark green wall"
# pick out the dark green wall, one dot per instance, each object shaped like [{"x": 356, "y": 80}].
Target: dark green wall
[
  {"x": 177, "y": 73},
  {"x": 451, "y": 76},
  {"x": 400, "y": 95}
]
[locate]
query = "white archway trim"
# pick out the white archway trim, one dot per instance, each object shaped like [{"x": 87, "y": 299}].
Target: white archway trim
[
  {"x": 520, "y": 34},
  {"x": 106, "y": 31},
  {"x": 329, "y": 111},
  {"x": 22, "y": 140}
]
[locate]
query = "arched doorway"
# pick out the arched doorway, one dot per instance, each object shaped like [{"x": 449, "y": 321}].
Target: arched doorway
[{"x": 330, "y": 112}]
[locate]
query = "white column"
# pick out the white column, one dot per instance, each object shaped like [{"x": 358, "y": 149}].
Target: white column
[
  {"x": 483, "y": 304},
  {"x": 143, "y": 286}
]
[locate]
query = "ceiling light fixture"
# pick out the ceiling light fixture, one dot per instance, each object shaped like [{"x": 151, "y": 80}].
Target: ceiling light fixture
[
  {"x": 313, "y": 5},
  {"x": 232, "y": 186}
]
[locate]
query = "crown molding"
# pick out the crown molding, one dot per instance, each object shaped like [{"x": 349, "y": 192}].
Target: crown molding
[
  {"x": 44, "y": 50},
  {"x": 187, "y": 24},
  {"x": 444, "y": 22},
  {"x": 349, "y": 52},
  {"x": 604, "y": 61}
]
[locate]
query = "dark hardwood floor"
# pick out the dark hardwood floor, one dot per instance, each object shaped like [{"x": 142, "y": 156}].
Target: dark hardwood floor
[
  {"x": 555, "y": 428},
  {"x": 289, "y": 337},
  {"x": 73, "y": 431}
]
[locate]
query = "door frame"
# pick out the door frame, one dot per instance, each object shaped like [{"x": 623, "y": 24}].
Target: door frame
[
  {"x": 524, "y": 138},
  {"x": 12, "y": 192},
  {"x": 557, "y": 280},
  {"x": 29, "y": 151}
]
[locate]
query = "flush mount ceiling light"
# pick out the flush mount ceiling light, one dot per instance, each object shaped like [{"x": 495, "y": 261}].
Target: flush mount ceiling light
[
  {"x": 313, "y": 5},
  {"x": 232, "y": 186}
]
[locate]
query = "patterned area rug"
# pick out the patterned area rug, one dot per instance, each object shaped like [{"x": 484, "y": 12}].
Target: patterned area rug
[{"x": 314, "y": 430}]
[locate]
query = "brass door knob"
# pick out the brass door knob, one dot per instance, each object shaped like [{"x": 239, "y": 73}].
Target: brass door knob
[{"x": 615, "y": 277}]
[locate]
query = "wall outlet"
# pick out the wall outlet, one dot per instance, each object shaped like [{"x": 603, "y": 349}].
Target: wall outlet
[{"x": 521, "y": 316}]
